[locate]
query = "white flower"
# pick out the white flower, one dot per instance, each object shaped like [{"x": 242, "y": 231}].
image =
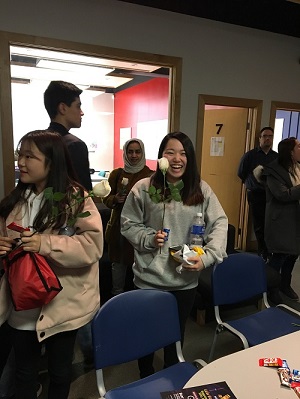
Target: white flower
[
  {"x": 163, "y": 164},
  {"x": 102, "y": 189},
  {"x": 124, "y": 181}
]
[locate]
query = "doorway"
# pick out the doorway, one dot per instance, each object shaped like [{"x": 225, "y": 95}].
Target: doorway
[
  {"x": 285, "y": 117},
  {"x": 113, "y": 56},
  {"x": 226, "y": 130},
  {"x": 103, "y": 82}
]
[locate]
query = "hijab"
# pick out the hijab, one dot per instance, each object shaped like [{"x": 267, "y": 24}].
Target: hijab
[{"x": 127, "y": 165}]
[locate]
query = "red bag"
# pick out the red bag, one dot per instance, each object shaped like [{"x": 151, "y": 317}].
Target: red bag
[{"x": 32, "y": 281}]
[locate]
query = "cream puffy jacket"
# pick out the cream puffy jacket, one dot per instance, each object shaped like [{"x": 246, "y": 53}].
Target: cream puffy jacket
[{"x": 75, "y": 261}]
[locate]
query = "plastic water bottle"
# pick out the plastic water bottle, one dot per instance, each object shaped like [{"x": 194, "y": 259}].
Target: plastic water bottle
[{"x": 197, "y": 231}]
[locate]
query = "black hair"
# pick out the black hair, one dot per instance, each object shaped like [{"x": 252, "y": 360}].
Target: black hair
[
  {"x": 266, "y": 128},
  {"x": 191, "y": 193},
  {"x": 59, "y": 92},
  {"x": 285, "y": 148},
  {"x": 61, "y": 177}
]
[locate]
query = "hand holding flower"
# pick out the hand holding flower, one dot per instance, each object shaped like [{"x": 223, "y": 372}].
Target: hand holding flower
[
  {"x": 124, "y": 181},
  {"x": 172, "y": 192},
  {"x": 124, "y": 184},
  {"x": 160, "y": 238},
  {"x": 120, "y": 198}
]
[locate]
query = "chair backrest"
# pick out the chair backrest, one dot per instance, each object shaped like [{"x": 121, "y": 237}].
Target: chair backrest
[
  {"x": 239, "y": 277},
  {"x": 134, "y": 324}
]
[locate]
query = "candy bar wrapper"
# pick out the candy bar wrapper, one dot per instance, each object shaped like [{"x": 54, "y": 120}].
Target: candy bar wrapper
[
  {"x": 296, "y": 375},
  {"x": 297, "y": 391},
  {"x": 182, "y": 255},
  {"x": 284, "y": 375},
  {"x": 270, "y": 362},
  {"x": 295, "y": 384},
  {"x": 16, "y": 227},
  {"x": 285, "y": 364}
]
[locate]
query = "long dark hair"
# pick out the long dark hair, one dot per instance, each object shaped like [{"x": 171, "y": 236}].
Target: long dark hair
[
  {"x": 61, "y": 177},
  {"x": 285, "y": 148},
  {"x": 191, "y": 193}
]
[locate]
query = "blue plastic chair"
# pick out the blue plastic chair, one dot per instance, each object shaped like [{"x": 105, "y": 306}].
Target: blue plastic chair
[
  {"x": 240, "y": 277},
  {"x": 134, "y": 324}
]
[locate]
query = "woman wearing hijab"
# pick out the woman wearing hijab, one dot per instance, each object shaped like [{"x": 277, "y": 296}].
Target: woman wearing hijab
[{"x": 121, "y": 181}]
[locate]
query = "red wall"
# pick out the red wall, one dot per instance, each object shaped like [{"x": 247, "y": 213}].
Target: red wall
[{"x": 142, "y": 103}]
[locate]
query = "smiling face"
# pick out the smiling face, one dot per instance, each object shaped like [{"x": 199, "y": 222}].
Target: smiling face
[
  {"x": 32, "y": 165},
  {"x": 175, "y": 154},
  {"x": 134, "y": 153}
]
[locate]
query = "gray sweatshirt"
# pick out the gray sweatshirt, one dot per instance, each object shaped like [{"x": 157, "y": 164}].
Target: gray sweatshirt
[{"x": 141, "y": 219}]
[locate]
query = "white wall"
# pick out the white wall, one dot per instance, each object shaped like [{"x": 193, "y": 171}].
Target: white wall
[
  {"x": 218, "y": 58},
  {"x": 97, "y": 129}
]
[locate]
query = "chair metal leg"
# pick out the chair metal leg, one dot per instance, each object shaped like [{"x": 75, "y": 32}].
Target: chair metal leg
[{"x": 213, "y": 346}]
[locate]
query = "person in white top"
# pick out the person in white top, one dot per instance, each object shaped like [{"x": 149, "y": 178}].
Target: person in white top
[{"x": 44, "y": 162}]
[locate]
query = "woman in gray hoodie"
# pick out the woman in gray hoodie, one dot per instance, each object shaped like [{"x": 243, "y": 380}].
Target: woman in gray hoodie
[{"x": 142, "y": 222}]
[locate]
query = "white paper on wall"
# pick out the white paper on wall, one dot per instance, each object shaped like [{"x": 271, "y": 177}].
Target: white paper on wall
[
  {"x": 151, "y": 133},
  {"x": 217, "y": 146},
  {"x": 125, "y": 134}
]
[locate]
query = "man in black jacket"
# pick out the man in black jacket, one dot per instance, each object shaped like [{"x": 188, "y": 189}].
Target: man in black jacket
[
  {"x": 62, "y": 102},
  {"x": 256, "y": 195}
]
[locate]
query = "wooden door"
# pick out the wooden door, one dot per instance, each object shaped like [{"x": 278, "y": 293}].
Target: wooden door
[{"x": 224, "y": 141}]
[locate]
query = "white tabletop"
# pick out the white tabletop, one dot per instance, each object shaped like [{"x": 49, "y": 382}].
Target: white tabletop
[{"x": 245, "y": 377}]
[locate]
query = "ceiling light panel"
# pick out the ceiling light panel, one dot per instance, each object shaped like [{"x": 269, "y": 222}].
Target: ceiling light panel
[
  {"x": 71, "y": 67},
  {"x": 78, "y": 58},
  {"x": 77, "y": 78}
]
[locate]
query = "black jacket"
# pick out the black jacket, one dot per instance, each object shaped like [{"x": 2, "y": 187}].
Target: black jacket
[
  {"x": 282, "y": 222},
  {"x": 78, "y": 153},
  {"x": 249, "y": 161}
]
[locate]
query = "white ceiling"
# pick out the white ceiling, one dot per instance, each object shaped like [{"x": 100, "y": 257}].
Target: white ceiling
[{"x": 32, "y": 64}]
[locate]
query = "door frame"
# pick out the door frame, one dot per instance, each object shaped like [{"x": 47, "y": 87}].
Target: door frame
[
  {"x": 6, "y": 125},
  {"x": 275, "y": 105},
  {"x": 243, "y": 234}
]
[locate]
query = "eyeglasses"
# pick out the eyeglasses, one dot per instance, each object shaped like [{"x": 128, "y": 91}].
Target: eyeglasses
[{"x": 267, "y": 136}]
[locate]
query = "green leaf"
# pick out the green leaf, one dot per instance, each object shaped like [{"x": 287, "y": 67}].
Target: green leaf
[
  {"x": 180, "y": 185},
  {"x": 83, "y": 214},
  {"x": 157, "y": 196},
  {"x": 58, "y": 196},
  {"x": 156, "y": 199},
  {"x": 48, "y": 193},
  {"x": 176, "y": 197},
  {"x": 152, "y": 190}
]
